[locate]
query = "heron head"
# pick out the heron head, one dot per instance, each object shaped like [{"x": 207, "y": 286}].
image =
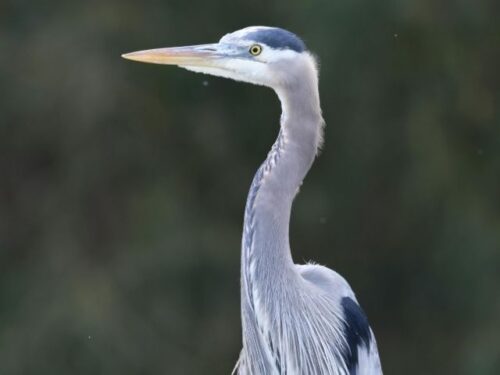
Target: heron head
[{"x": 268, "y": 56}]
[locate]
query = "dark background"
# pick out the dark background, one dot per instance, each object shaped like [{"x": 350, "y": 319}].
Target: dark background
[{"x": 122, "y": 185}]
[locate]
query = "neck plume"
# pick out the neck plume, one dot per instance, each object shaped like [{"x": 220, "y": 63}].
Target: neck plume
[
  {"x": 266, "y": 254},
  {"x": 267, "y": 269}
]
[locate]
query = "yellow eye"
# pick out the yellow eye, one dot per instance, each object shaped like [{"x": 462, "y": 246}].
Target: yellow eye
[{"x": 255, "y": 49}]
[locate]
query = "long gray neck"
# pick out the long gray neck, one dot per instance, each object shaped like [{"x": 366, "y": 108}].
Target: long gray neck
[{"x": 266, "y": 252}]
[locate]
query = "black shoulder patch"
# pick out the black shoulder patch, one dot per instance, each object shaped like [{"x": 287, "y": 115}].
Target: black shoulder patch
[
  {"x": 277, "y": 38},
  {"x": 356, "y": 332}
]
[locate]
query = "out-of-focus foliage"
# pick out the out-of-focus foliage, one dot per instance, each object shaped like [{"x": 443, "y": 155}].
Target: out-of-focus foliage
[{"x": 123, "y": 185}]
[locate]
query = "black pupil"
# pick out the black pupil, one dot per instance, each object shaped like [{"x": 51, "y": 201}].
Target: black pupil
[{"x": 255, "y": 49}]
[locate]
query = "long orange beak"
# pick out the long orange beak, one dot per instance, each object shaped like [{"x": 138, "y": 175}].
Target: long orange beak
[{"x": 200, "y": 55}]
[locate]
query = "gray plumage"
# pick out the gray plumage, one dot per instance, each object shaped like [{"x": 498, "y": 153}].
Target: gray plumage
[{"x": 296, "y": 319}]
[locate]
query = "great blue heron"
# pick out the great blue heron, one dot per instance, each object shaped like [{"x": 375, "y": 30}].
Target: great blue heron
[{"x": 296, "y": 319}]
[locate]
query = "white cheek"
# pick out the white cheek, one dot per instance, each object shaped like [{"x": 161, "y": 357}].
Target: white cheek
[
  {"x": 269, "y": 55},
  {"x": 250, "y": 71},
  {"x": 239, "y": 70}
]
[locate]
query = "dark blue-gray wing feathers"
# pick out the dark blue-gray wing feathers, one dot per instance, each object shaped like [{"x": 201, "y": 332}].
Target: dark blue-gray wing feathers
[{"x": 357, "y": 333}]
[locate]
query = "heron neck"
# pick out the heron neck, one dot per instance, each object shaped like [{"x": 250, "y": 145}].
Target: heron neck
[{"x": 266, "y": 247}]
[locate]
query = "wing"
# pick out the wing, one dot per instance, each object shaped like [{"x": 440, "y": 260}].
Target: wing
[
  {"x": 360, "y": 352},
  {"x": 327, "y": 280}
]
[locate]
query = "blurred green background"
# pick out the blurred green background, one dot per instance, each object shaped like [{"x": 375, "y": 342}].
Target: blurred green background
[{"x": 123, "y": 185}]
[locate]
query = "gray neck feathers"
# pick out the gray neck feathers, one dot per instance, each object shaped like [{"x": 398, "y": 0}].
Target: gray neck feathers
[{"x": 266, "y": 256}]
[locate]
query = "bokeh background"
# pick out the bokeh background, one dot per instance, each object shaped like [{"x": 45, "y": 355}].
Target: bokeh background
[{"x": 122, "y": 185}]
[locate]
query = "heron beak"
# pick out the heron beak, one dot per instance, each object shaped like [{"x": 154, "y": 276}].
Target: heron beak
[{"x": 200, "y": 55}]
